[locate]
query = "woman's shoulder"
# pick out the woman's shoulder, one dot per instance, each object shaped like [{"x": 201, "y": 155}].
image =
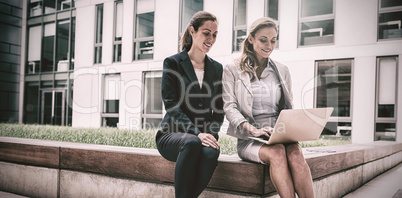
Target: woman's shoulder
[
  {"x": 281, "y": 67},
  {"x": 233, "y": 66},
  {"x": 174, "y": 57},
  {"x": 279, "y": 64},
  {"x": 172, "y": 62}
]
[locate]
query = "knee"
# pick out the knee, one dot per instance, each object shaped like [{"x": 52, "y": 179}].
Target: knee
[
  {"x": 210, "y": 154},
  {"x": 295, "y": 155},
  {"x": 275, "y": 154},
  {"x": 192, "y": 142}
]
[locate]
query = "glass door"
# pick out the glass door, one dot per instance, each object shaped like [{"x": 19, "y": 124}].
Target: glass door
[{"x": 53, "y": 106}]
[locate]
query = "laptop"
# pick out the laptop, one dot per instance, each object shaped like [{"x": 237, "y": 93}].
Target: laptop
[{"x": 296, "y": 125}]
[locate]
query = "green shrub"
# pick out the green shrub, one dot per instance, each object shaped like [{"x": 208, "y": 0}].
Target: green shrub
[{"x": 120, "y": 137}]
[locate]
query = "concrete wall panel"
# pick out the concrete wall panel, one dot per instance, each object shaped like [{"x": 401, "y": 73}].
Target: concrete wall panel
[{"x": 28, "y": 180}]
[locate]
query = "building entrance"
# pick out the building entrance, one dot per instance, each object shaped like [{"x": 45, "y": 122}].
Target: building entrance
[{"x": 53, "y": 106}]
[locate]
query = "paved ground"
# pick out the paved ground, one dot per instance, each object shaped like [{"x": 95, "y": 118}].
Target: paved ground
[
  {"x": 9, "y": 195},
  {"x": 387, "y": 185}
]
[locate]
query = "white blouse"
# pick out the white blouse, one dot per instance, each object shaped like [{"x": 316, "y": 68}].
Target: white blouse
[{"x": 200, "y": 76}]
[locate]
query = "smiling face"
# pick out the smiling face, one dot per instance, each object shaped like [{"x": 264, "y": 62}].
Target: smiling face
[
  {"x": 205, "y": 37},
  {"x": 264, "y": 42}
]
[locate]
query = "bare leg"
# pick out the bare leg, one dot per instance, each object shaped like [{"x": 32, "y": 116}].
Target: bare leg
[
  {"x": 300, "y": 171},
  {"x": 281, "y": 177}
]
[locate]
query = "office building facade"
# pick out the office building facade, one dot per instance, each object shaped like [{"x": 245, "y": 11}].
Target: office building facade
[{"x": 94, "y": 63}]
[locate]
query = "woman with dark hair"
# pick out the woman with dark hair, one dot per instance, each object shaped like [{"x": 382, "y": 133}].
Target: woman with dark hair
[
  {"x": 192, "y": 95},
  {"x": 255, "y": 90}
]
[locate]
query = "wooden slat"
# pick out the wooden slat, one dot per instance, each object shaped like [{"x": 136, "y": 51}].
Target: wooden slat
[
  {"x": 36, "y": 155},
  {"x": 239, "y": 176},
  {"x": 331, "y": 163}
]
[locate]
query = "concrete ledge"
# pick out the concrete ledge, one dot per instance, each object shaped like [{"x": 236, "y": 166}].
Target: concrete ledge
[
  {"x": 100, "y": 166},
  {"x": 30, "y": 181}
]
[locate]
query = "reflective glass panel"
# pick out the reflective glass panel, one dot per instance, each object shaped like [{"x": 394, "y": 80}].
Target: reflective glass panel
[
  {"x": 62, "y": 59},
  {"x": 390, "y": 25},
  {"x": 317, "y": 32},
  {"x": 190, "y": 7},
  {"x": 48, "y": 47},
  {"x": 316, "y": 7},
  {"x": 334, "y": 86}
]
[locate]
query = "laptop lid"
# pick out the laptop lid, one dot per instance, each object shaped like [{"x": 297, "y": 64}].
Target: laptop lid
[{"x": 296, "y": 125}]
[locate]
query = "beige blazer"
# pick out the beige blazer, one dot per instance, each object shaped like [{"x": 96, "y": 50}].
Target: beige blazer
[{"x": 238, "y": 96}]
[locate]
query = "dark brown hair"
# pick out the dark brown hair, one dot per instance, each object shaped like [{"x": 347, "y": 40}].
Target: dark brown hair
[{"x": 196, "y": 21}]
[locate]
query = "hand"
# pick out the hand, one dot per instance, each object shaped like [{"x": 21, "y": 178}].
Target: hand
[
  {"x": 208, "y": 140},
  {"x": 263, "y": 132}
]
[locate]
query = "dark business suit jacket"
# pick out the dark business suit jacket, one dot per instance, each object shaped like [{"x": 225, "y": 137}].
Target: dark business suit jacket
[{"x": 189, "y": 108}]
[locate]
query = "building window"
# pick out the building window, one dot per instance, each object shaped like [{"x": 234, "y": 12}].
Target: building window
[
  {"x": 50, "y": 6},
  {"x": 34, "y": 49},
  {"x": 118, "y": 31},
  {"x": 62, "y": 53},
  {"x": 48, "y": 47},
  {"x": 144, "y": 31},
  {"x": 35, "y": 6},
  {"x": 316, "y": 22},
  {"x": 390, "y": 19},
  {"x": 333, "y": 89},
  {"x": 65, "y": 4},
  {"x": 111, "y": 98},
  {"x": 188, "y": 9},
  {"x": 239, "y": 24},
  {"x": 41, "y": 53},
  {"x": 51, "y": 37},
  {"x": 386, "y": 97},
  {"x": 152, "y": 113},
  {"x": 272, "y": 11},
  {"x": 98, "y": 34}
]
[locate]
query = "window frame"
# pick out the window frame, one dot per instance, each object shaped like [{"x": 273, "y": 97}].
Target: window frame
[
  {"x": 385, "y": 120},
  {"x": 237, "y": 28},
  {"x": 137, "y": 40},
  {"x": 103, "y": 114},
  {"x": 182, "y": 26},
  {"x": 315, "y": 18},
  {"x": 277, "y": 21},
  {"x": 117, "y": 44},
  {"x": 144, "y": 115},
  {"x": 98, "y": 34},
  {"x": 36, "y": 69},
  {"x": 70, "y": 61},
  {"x": 52, "y": 79},
  {"x": 336, "y": 119},
  {"x": 384, "y": 11}
]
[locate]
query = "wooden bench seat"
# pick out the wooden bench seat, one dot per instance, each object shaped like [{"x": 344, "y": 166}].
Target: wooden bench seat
[{"x": 232, "y": 174}]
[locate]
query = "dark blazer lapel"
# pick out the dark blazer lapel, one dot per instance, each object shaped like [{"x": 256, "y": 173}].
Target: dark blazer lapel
[
  {"x": 188, "y": 69},
  {"x": 209, "y": 70}
]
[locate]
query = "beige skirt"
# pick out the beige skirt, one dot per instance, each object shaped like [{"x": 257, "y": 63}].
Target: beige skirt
[{"x": 248, "y": 150}]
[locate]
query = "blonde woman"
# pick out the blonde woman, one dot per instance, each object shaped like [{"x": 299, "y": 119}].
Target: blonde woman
[{"x": 255, "y": 90}]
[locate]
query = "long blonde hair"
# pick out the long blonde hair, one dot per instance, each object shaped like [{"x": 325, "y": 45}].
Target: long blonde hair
[
  {"x": 248, "y": 57},
  {"x": 196, "y": 21}
]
